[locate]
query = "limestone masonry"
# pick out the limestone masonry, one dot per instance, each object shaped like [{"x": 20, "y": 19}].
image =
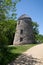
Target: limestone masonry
[{"x": 24, "y": 31}]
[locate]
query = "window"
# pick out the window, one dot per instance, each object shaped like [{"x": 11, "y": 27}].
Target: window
[
  {"x": 21, "y": 32},
  {"x": 21, "y": 39}
]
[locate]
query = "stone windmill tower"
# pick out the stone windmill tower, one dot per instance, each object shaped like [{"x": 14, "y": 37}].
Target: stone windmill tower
[{"x": 24, "y": 31}]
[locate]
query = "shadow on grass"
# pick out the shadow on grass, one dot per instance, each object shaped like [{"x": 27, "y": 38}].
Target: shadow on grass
[
  {"x": 8, "y": 56},
  {"x": 11, "y": 48},
  {"x": 11, "y": 56},
  {"x": 26, "y": 60}
]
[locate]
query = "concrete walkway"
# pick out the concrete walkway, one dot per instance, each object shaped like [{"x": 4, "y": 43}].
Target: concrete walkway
[{"x": 33, "y": 56}]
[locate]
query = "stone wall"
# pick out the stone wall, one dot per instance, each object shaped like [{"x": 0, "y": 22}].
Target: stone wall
[{"x": 24, "y": 32}]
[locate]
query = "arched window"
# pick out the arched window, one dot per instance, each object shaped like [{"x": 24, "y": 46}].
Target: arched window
[
  {"x": 21, "y": 31},
  {"x": 21, "y": 39}
]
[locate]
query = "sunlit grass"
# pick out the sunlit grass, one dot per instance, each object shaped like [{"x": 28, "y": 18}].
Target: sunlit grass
[{"x": 15, "y": 51}]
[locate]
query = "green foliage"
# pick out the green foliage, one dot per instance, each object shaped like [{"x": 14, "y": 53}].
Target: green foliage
[
  {"x": 35, "y": 30},
  {"x": 7, "y": 6},
  {"x": 40, "y": 38},
  {"x": 7, "y": 28},
  {"x": 11, "y": 7}
]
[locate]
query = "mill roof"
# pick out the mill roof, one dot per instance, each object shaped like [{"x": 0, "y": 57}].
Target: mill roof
[{"x": 24, "y": 16}]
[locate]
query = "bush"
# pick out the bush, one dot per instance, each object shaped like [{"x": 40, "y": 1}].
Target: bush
[{"x": 7, "y": 31}]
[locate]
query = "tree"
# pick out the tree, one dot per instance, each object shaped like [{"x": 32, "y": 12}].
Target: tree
[
  {"x": 5, "y": 7},
  {"x": 35, "y": 30},
  {"x": 40, "y": 38},
  {"x": 7, "y": 29},
  {"x": 2, "y": 11}
]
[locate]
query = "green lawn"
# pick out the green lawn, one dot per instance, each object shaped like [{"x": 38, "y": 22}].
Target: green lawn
[
  {"x": 15, "y": 51},
  {"x": 20, "y": 49}
]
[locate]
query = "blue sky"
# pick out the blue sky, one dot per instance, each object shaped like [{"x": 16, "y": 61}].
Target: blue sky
[{"x": 34, "y": 9}]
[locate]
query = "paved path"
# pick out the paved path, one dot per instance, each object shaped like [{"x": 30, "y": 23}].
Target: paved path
[{"x": 33, "y": 56}]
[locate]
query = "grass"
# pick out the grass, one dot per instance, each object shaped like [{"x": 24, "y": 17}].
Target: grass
[
  {"x": 15, "y": 51},
  {"x": 20, "y": 49}
]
